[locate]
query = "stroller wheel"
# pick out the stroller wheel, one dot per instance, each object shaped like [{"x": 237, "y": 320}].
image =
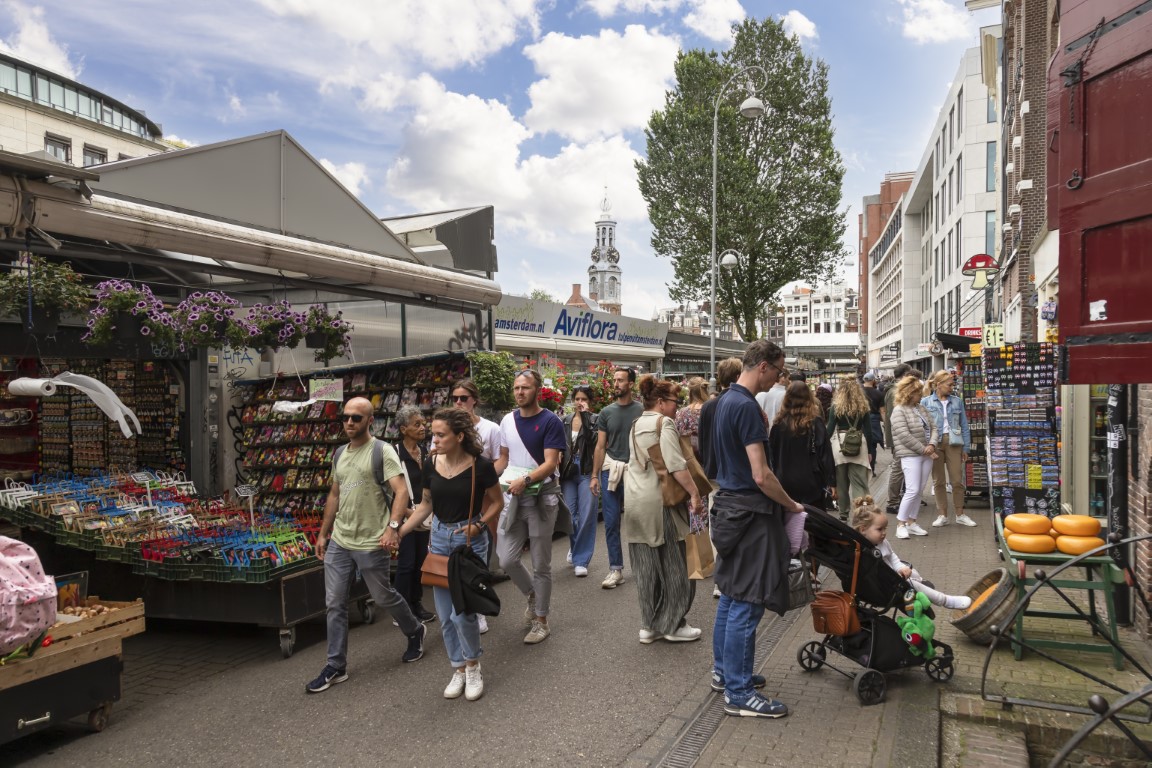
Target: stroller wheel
[
  {"x": 869, "y": 687},
  {"x": 811, "y": 656},
  {"x": 939, "y": 669}
]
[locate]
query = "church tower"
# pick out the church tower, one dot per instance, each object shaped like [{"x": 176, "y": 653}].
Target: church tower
[{"x": 604, "y": 274}]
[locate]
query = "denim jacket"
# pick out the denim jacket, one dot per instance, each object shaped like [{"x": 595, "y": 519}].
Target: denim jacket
[{"x": 957, "y": 419}]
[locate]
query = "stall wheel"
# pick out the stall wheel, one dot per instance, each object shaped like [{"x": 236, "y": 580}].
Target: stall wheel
[
  {"x": 98, "y": 718},
  {"x": 287, "y": 641},
  {"x": 869, "y": 687},
  {"x": 811, "y": 656},
  {"x": 939, "y": 669},
  {"x": 367, "y": 608}
]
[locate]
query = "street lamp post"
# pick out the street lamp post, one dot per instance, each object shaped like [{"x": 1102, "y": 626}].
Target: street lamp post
[{"x": 751, "y": 108}]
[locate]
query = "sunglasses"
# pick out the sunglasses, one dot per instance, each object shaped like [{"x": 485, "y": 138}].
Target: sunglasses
[
  {"x": 461, "y": 398},
  {"x": 355, "y": 418}
]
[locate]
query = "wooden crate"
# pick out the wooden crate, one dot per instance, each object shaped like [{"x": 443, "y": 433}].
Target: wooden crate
[{"x": 126, "y": 621}]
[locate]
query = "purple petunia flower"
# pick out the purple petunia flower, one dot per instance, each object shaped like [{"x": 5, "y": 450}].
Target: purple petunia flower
[
  {"x": 145, "y": 330},
  {"x": 203, "y": 328}
]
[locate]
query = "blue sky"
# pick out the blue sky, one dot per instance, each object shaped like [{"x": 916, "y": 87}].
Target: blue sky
[{"x": 533, "y": 106}]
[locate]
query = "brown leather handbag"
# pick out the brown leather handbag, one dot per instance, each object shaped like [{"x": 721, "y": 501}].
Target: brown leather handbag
[
  {"x": 434, "y": 570},
  {"x": 834, "y": 612}
]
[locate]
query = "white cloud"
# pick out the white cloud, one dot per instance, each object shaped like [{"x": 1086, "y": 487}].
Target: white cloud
[
  {"x": 236, "y": 106},
  {"x": 439, "y": 33},
  {"x": 606, "y": 8},
  {"x": 33, "y": 43},
  {"x": 353, "y": 175},
  {"x": 796, "y": 23},
  {"x": 582, "y": 95},
  {"x": 934, "y": 21},
  {"x": 714, "y": 18}
]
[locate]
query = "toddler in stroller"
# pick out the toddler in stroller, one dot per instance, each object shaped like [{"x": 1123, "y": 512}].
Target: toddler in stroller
[{"x": 873, "y": 589}]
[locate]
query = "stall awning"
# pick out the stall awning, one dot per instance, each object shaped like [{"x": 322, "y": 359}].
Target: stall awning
[{"x": 518, "y": 343}]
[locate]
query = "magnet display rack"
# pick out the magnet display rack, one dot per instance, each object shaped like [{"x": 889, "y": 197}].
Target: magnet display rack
[
  {"x": 975, "y": 407},
  {"x": 55, "y": 425},
  {"x": 1098, "y": 450},
  {"x": 120, "y": 376},
  {"x": 288, "y": 457},
  {"x": 87, "y": 422},
  {"x": 157, "y": 394},
  {"x": 19, "y": 419}
]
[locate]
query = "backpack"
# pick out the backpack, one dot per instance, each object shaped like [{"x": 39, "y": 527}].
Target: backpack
[
  {"x": 377, "y": 468},
  {"x": 851, "y": 439},
  {"x": 27, "y": 596}
]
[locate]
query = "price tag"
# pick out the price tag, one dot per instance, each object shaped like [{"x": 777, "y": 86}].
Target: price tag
[
  {"x": 326, "y": 389},
  {"x": 245, "y": 491},
  {"x": 1035, "y": 476},
  {"x": 142, "y": 477}
]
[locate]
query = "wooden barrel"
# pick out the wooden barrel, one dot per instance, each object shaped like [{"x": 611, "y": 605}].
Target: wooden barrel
[{"x": 994, "y": 609}]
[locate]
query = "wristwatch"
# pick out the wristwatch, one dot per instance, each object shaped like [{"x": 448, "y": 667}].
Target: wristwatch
[{"x": 394, "y": 525}]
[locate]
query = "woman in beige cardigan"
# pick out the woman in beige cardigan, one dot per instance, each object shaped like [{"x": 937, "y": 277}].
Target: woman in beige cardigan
[
  {"x": 655, "y": 533},
  {"x": 914, "y": 441}
]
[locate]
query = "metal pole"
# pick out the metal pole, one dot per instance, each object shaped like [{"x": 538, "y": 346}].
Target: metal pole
[{"x": 712, "y": 261}]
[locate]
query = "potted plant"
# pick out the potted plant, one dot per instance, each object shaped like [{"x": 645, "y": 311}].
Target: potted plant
[
  {"x": 329, "y": 334},
  {"x": 208, "y": 319},
  {"x": 54, "y": 287},
  {"x": 125, "y": 310},
  {"x": 274, "y": 326},
  {"x": 493, "y": 374}
]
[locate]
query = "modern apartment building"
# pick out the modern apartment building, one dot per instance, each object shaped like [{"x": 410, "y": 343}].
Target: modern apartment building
[
  {"x": 876, "y": 210},
  {"x": 948, "y": 214},
  {"x": 43, "y": 111}
]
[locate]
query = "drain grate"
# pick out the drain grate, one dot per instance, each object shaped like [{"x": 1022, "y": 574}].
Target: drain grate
[{"x": 698, "y": 732}]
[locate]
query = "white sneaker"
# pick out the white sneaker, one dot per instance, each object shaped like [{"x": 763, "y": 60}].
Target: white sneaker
[
  {"x": 685, "y": 634},
  {"x": 455, "y": 685},
  {"x": 948, "y": 487},
  {"x": 613, "y": 580},
  {"x": 965, "y": 520},
  {"x": 940, "y": 521},
  {"x": 538, "y": 633},
  {"x": 716, "y": 593},
  {"x": 648, "y": 636},
  {"x": 915, "y": 529},
  {"x": 569, "y": 558},
  {"x": 482, "y": 620},
  {"x": 901, "y": 531},
  {"x": 474, "y": 683},
  {"x": 581, "y": 571}
]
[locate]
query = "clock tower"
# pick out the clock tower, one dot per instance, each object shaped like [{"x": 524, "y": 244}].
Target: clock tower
[{"x": 604, "y": 273}]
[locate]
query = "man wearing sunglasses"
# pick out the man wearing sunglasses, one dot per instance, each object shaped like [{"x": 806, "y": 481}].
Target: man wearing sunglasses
[{"x": 359, "y": 533}]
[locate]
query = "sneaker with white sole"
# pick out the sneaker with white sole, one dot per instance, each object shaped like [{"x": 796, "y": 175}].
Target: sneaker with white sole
[
  {"x": 530, "y": 611},
  {"x": 328, "y": 677},
  {"x": 569, "y": 558},
  {"x": 473, "y": 682},
  {"x": 965, "y": 520},
  {"x": 758, "y": 681},
  {"x": 684, "y": 634},
  {"x": 581, "y": 571},
  {"x": 613, "y": 580},
  {"x": 915, "y": 529},
  {"x": 940, "y": 521},
  {"x": 649, "y": 636},
  {"x": 757, "y": 706},
  {"x": 716, "y": 593},
  {"x": 415, "y": 649},
  {"x": 455, "y": 686},
  {"x": 537, "y": 634},
  {"x": 901, "y": 531},
  {"x": 482, "y": 621}
]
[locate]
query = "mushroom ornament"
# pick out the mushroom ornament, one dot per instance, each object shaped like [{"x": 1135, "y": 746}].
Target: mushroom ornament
[{"x": 980, "y": 267}]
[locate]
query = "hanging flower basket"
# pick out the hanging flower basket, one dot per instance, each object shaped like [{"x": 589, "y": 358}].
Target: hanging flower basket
[
  {"x": 273, "y": 326},
  {"x": 126, "y": 311},
  {"x": 209, "y": 319},
  {"x": 53, "y": 289},
  {"x": 329, "y": 334}
]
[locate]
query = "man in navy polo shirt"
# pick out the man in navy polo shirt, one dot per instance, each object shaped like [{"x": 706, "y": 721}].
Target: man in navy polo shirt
[{"x": 748, "y": 532}]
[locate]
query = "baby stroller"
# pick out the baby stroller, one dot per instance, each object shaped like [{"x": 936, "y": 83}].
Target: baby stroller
[{"x": 879, "y": 646}]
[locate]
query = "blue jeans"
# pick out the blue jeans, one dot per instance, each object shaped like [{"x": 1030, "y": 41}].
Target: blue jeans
[
  {"x": 613, "y": 509},
  {"x": 734, "y": 646},
  {"x": 578, "y": 497},
  {"x": 340, "y": 566},
  {"x": 461, "y": 631}
]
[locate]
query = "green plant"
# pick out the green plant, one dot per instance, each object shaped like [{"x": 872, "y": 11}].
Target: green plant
[
  {"x": 336, "y": 332},
  {"x": 493, "y": 374},
  {"x": 115, "y": 298},
  {"x": 55, "y": 288}
]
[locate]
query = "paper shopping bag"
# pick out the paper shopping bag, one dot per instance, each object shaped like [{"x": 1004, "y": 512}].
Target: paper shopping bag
[{"x": 698, "y": 549}]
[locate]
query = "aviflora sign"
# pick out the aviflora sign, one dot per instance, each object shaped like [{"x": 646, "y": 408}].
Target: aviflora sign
[{"x": 525, "y": 317}]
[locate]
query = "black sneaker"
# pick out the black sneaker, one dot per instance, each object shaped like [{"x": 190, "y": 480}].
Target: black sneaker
[
  {"x": 758, "y": 681},
  {"x": 328, "y": 678},
  {"x": 757, "y": 706},
  {"x": 422, "y": 614},
  {"x": 415, "y": 650}
]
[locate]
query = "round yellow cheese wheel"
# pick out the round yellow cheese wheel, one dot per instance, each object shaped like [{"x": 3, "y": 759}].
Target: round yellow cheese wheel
[
  {"x": 1077, "y": 545},
  {"x": 1076, "y": 525},
  {"x": 1035, "y": 543},
  {"x": 1022, "y": 522}
]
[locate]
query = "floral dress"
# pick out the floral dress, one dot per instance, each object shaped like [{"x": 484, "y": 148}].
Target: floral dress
[{"x": 688, "y": 423}]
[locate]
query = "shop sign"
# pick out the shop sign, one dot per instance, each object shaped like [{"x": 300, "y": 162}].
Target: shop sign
[
  {"x": 994, "y": 335},
  {"x": 326, "y": 389},
  {"x": 972, "y": 333},
  {"x": 923, "y": 349},
  {"x": 543, "y": 319}
]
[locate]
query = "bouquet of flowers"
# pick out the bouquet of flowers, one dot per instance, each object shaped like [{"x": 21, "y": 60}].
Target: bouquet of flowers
[
  {"x": 329, "y": 334},
  {"x": 274, "y": 326},
  {"x": 120, "y": 302},
  {"x": 208, "y": 319}
]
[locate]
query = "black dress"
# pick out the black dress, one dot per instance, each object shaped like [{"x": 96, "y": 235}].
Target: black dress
[
  {"x": 803, "y": 462},
  {"x": 414, "y": 546}
]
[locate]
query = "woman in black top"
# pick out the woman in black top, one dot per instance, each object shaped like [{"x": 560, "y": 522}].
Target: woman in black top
[
  {"x": 413, "y": 451},
  {"x": 799, "y": 451},
  {"x": 576, "y": 475},
  {"x": 462, "y": 493}
]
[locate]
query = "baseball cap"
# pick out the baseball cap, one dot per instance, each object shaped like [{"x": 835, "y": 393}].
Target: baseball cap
[{"x": 869, "y": 376}]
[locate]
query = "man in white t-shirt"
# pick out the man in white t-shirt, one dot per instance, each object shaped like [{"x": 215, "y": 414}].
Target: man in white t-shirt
[{"x": 770, "y": 401}]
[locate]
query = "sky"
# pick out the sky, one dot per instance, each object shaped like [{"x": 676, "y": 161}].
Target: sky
[{"x": 533, "y": 106}]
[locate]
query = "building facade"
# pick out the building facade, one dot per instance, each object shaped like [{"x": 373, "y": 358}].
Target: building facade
[
  {"x": 877, "y": 209},
  {"x": 41, "y": 111}
]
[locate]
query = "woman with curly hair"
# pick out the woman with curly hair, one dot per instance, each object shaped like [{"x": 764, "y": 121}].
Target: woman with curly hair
[{"x": 849, "y": 411}]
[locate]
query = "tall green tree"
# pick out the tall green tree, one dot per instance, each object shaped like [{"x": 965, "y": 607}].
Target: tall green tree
[{"x": 779, "y": 176}]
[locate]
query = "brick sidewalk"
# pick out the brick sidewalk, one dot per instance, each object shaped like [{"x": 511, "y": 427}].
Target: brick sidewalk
[{"x": 828, "y": 726}]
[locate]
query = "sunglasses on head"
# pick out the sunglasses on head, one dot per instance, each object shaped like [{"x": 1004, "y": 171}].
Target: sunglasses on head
[{"x": 355, "y": 418}]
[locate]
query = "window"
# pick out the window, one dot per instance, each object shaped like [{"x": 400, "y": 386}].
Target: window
[
  {"x": 990, "y": 233},
  {"x": 939, "y": 158},
  {"x": 991, "y": 110},
  {"x": 959, "y": 242},
  {"x": 7, "y": 77},
  {"x": 948, "y": 316},
  {"x": 959, "y": 178},
  {"x": 958, "y": 319},
  {"x": 948, "y": 255},
  {"x": 790, "y": 322},
  {"x": 94, "y": 156},
  {"x": 59, "y": 147},
  {"x": 951, "y": 128},
  {"x": 990, "y": 174},
  {"x": 960, "y": 113},
  {"x": 936, "y": 215},
  {"x": 951, "y": 175}
]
